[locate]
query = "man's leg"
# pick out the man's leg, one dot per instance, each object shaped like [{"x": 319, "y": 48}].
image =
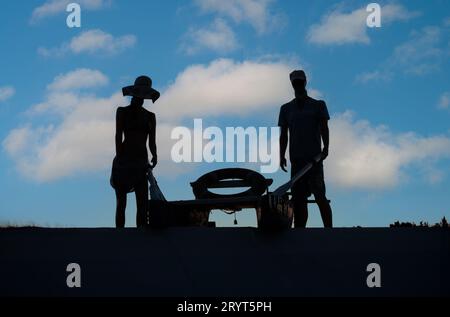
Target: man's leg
[
  {"x": 300, "y": 213},
  {"x": 325, "y": 212},
  {"x": 317, "y": 183},
  {"x": 121, "y": 199},
  {"x": 141, "y": 192},
  {"x": 299, "y": 198}
]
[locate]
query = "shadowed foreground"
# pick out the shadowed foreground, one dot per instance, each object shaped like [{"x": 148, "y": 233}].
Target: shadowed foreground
[{"x": 224, "y": 262}]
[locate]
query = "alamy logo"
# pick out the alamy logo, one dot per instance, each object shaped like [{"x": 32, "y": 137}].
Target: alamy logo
[
  {"x": 73, "y": 280},
  {"x": 74, "y": 18},
  {"x": 374, "y": 278},
  {"x": 239, "y": 144},
  {"x": 374, "y": 18}
]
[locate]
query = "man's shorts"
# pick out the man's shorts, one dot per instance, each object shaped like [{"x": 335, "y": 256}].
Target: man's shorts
[{"x": 311, "y": 183}]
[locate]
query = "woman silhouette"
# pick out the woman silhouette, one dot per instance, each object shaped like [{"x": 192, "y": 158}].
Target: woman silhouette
[{"x": 130, "y": 165}]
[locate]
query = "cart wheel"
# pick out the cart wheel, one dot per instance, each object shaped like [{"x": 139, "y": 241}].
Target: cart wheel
[{"x": 217, "y": 179}]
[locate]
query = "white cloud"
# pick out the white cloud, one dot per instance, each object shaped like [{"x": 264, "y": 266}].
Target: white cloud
[
  {"x": 218, "y": 37},
  {"x": 77, "y": 79},
  {"x": 444, "y": 100},
  {"x": 17, "y": 140},
  {"x": 91, "y": 42},
  {"x": 81, "y": 138},
  {"x": 53, "y": 7},
  {"x": 63, "y": 91},
  {"x": 6, "y": 92},
  {"x": 423, "y": 53},
  {"x": 226, "y": 87},
  {"x": 366, "y": 157},
  {"x": 97, "y": 40},
  {"x": 376, "y": 75},
  {"x": 340, "y": 28},
  {"x": 337, "y": 27},
  {"x": 315, "y": 93},
  {"x": 395, "y": 12},
  {"x": 81, "y": 142},
  {"x": 256, "y": 12},
  {"x": 56, "y": 102}
]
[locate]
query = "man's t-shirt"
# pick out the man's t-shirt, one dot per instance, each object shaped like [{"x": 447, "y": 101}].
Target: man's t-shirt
[{"x": 302, "y": 117}]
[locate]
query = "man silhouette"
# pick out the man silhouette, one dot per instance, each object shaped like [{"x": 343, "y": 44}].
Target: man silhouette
[
  {"x": 306, "y": 121},
  {"x": 129, "y": 172}
]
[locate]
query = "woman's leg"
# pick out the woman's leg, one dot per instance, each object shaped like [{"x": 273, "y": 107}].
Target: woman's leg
[
  {"x": 121, "y": 198},
  {"x": 141, "y": 192}
]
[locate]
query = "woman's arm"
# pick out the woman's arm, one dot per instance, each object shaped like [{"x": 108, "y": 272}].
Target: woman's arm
[
  {"x": 152, "y": 139},
  {"x": 119, "y": 131}
]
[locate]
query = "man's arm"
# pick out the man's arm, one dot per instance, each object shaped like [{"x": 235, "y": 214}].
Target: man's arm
[
  {"x": 283, "y": 147},
  {"x": 119, "y": 131},
  {"x": 152, "y": 140},
  {"x": 325, "y": 133},
  {"x": 283, "y": 124}
]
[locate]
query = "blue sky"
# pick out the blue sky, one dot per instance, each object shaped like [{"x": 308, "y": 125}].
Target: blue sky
[{"x": 387, "y": 90}]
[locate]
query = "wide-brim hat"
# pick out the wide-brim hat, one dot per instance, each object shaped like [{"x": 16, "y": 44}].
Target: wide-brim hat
[{"x": 142, "y": 88}]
